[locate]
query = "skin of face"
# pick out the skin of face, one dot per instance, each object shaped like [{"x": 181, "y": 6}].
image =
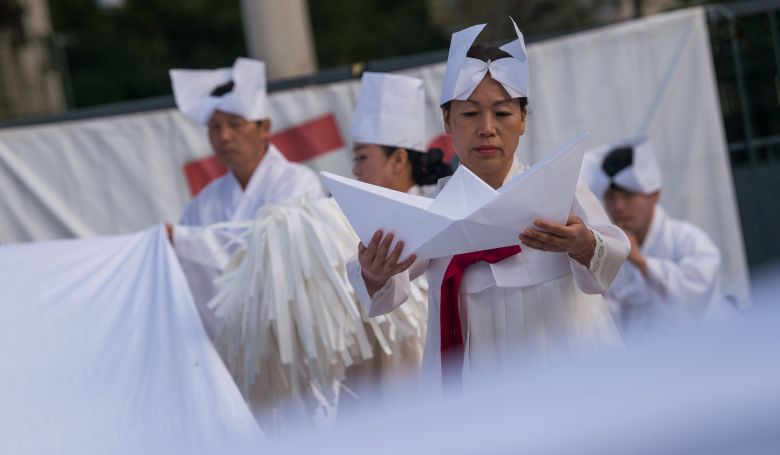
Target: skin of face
[
  {"x": 372, "y": 165},
  {"x": 630, "y": 210},
  {"x": 239, "y": 144},
  {"x": 485, "y": 130}
]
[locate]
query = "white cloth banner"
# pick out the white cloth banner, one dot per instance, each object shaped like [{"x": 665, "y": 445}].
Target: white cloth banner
[
  {"x": 103, "y": 352},
  {"x": 653, "y": 76}
]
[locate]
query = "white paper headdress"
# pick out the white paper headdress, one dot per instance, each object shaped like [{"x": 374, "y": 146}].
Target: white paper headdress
[
  {"x": 390, "y": 111},
  {"x": 641, "y": 176},
  {"x": 463, "y": 73},
  {"x": 192, "y": 91}
]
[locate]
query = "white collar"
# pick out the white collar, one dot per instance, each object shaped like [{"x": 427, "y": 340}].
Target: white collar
[
  {"x": 271, "y": 157},
  {"x": 653, "y": 235}
]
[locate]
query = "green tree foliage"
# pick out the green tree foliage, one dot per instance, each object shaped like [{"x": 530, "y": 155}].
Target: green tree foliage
[
  {"x": 349, "y": 31},
  {"x": 125, "y": 53}
]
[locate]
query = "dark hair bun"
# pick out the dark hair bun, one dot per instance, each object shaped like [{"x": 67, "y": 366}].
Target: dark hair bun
[{"x": 429, "y": 167}]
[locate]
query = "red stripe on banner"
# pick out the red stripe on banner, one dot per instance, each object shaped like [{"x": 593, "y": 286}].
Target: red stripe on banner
[
  {"x": 299, "y": 143},
  {"x": 444, "y": 143},
  {"x": 309, "y": 140},
  {"x": 200, "y": 172}
]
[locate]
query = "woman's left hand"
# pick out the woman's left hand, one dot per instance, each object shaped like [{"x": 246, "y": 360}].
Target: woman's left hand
[{"x": 574, "y": 238}]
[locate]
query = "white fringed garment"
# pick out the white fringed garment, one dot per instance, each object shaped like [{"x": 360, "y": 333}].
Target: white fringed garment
[{"x": 289, "y": 322}]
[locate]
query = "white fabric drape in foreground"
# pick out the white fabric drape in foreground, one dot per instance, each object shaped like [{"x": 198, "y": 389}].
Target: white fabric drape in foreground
[{"x": 102, "y": 352}]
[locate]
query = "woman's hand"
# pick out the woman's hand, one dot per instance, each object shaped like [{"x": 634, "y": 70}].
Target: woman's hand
[
  {"x": 574, "y": 238},
  {"x": 378, "y": 263}
]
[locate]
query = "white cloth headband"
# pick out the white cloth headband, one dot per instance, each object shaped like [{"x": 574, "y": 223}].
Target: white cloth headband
[
  {"x": 463, "y": 73},
  {"x": 192, "y": 91},
  {"x": 642, "y": 176}
]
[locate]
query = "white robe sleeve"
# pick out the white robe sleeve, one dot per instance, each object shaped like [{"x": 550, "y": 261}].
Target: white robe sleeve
[
  {"x": 690, "y": 280},
  {"x": 392, "y": 295},
  {"x": 196, "y": 252},
  {"x": 612, "y": 244}
]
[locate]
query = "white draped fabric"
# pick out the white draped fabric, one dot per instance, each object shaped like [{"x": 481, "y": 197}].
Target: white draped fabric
[{"x": 103, "y": 352}]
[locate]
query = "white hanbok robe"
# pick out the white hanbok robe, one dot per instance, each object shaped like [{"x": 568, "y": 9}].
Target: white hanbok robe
[
  {"x": 275, "y": 179},
  {"x": 528, "y": 306},
  {"x": 682, "y": 284},
  {"x": 205, "y": 254},
  {"x": 387, "y": 377}
]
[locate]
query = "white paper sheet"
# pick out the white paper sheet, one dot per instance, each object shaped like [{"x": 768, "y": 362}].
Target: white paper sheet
[{"x": 467, "y": 215}]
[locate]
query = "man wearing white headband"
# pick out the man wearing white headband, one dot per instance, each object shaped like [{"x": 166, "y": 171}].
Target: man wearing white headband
[
  {"x": 494, "y": 307},
  {"x": 232, "y": 104},
  {"x": 672, "y": 273}
]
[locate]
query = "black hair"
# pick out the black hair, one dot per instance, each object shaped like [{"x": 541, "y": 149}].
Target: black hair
[
  {"x": 485, "y": 53},
  {"x": 223, "y": 89},
  {"x": 617, "y": 160},
  {"x": 427, "y": 167}
]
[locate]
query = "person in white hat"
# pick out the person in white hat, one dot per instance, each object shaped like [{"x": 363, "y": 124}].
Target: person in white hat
[
  {"x": 493, "y": 308},
  {"x": 232, "y": 104},
  {"x": 672, "y": 275},
  {"x": 388, "y": 132}
]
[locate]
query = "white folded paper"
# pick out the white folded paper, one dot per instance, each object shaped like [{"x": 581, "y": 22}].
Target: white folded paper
[{"x": 467, "y": 215}]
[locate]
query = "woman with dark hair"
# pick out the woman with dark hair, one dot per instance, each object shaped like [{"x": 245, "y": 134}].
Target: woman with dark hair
[
  {"x": 399, "y": 168},
  {"x": 489, "y": 309},
  {"x": 388, "y": 130}
]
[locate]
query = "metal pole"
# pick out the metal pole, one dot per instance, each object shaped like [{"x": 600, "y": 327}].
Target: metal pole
[
  {"x": 741, "y": 90},
  {"x": 775, "y": 43},
  {"x": 776, "y": 48},
  {"x": 637, "y": 8},
  {"x": 60, "y": 43}
]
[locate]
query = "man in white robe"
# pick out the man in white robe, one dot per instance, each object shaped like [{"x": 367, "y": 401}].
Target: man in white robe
[
  {"x": 672, "y": 275},
  {"x": 231, "y": 103}
]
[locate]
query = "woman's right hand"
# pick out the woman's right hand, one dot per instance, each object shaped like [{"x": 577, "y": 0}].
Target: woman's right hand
[{"x": 378, "y": 263}]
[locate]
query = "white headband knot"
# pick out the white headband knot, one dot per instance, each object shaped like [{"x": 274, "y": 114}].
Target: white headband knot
[
  {"x": 641, "y": 176},
  {"x": 192, "y": 91},
  {"x": 464, "y": 73}
]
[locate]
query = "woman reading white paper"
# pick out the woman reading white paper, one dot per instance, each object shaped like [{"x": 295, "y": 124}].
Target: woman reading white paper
[{"x": 487, "y": 307}]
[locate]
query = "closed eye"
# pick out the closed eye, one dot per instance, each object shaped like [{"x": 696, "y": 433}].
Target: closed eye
[{"x": 470, "y": 113}]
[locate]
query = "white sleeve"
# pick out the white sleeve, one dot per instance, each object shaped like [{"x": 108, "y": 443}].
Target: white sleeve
[
  {"x": 612, "y": 244},
  {"x": 305, "y": 183},
  {"x": 189, "y": 215},
  {"x": 199, "y": 256},
  {"x": 691, "y": 280},
  {"x": 392, "y": 295}
]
